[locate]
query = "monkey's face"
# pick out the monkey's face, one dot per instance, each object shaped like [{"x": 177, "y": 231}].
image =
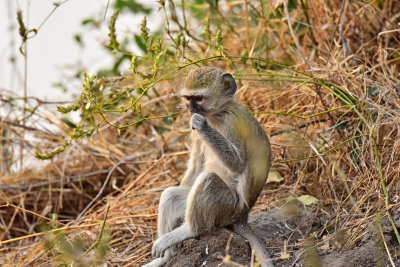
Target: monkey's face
[
  {"x": 206, "y": 90},
  {"x": 196, "y": 104}
]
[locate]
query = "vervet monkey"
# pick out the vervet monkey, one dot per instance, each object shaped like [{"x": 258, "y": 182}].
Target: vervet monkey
[{"x": 228, "y": 166}]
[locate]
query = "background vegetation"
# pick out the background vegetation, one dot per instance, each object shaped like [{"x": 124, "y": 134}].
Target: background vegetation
[{"x": 321, "y": 77}]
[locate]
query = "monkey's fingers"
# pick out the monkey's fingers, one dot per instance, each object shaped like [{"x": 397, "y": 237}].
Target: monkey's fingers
[{"x": 158, "y": 249}]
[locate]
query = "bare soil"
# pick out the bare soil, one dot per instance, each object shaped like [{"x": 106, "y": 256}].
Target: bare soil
[{"x": 286, "y": 234}]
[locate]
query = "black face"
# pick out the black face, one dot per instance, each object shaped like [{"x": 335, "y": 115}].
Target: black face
[{"x": 195, "y": 103}]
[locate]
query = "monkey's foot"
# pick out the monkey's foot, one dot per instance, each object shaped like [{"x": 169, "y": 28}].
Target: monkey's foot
[
  {"x": 155, "y": 263},
  {"x": 159, "y": 247},
  {"x": 158, "y": 262}
]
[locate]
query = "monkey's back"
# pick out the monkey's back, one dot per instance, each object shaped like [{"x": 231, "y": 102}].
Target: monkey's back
[{"x": 256, "y": 148}]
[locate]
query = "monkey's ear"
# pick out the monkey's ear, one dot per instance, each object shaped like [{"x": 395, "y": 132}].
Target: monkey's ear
[{"x": 229, "y": 84}]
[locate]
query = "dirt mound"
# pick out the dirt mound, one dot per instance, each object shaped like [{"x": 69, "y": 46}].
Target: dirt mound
[{"x": 278, "y": 230}]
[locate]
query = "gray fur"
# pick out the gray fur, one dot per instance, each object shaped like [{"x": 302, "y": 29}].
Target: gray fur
[{"x": 227, "y": 169}]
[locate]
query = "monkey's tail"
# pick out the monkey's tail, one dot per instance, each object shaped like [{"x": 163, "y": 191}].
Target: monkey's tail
[{"x": 256, "y": 244}]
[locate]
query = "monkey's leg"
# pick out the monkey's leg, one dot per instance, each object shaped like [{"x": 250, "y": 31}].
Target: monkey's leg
[
  {"x": 210, "y": 204},
  {"x": 171, "y": 212},
  {"x": 256, "y": 244}
]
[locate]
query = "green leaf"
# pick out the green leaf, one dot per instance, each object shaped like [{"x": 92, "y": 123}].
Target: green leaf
[
  {"x": 113, "y": 44},
  {"x": 132, "y": 6},
  {"x": 140, "y": 43},
  {"x": 274, "y": 177},
  {"x": 78, "y": 39},
  {"x": 68, "y": 122},
  {"x": 88, "y": 21},
  {"x": 67, "y": 109},
  {"x": 308, "y": 200}
]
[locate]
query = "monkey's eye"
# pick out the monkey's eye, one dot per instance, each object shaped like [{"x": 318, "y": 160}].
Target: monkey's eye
[{"x": 198, "y": 98}]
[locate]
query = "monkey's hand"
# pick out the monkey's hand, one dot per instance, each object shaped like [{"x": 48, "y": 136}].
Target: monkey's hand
[{"x": 198, "y": 121}]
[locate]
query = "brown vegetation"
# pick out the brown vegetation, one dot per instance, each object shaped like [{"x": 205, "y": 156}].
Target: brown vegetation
[{"x": 333, "y": 117}]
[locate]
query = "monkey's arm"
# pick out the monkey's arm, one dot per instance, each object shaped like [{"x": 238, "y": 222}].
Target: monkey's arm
[
  {"x": 224, "y": 148},
  {"x": 194, "y": 166},
  {"x": 191, "y": 173}
]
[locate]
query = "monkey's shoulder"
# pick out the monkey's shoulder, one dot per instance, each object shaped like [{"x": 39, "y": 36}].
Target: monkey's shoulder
[{"x": 245, "y": 124}]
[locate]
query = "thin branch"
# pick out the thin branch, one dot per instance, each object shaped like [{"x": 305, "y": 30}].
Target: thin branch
[
  {"x": 101, "y": 189},
  {"x": 295, "y": 39},
  {"x": 56, "y": 5},
  {"x": 174, "y": 18},
  {"x": 29, "y": 128},
  {"x": 334, "y": 31},
  {"x": 105, "y": 11},
  {"x": 57, "y": 181},
  {"x": 299, "y": 126},
  {"x": 347, "y": 49}
]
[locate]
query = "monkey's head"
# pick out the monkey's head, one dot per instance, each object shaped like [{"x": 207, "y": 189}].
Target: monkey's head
[{"x": 207, "y": 89}]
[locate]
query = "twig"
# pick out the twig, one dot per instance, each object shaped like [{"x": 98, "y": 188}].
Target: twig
[
  {"x": 389, "y": 31},
  {"x": 21, "y": 148},
  {"x": 56, "y": 5},
  {"x": 247, "y": 24},
  {"x": 50, "y": 231},
  {"x": 386, "y": 246},
  {"x": 295, "y": 39},
  {"x": 101, "y": 189},
  {"x": 28, "y": 211},
  {"x": 346, "y": 48},
  {"x": 299, "y": 126},
  {"x": 184, "y": 27},
  {"x": 334, "y": 31},
  {"x": 105, "y": 11},
  {"x": 101, "y": 232},
  {"x": 323, "y": 153},
  {"x": 304, "y": 7},
  {"x": 26, "y": 127},
  {"x": 37, "y": 99},
  {"x": 57, "y": 181}
]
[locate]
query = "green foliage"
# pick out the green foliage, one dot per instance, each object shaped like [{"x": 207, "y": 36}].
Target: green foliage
[
  {"x": 163, "y": 55},
  {"x": 78, "y": 250},
  {"x": 23, "y": 31},
  {"x": 311, "y": 252},
  {"x": 78, "y": 39},
  {"x": 218, "y": 40},
  {"x": 144, "y": 31},
  {"x": 141, "y": 43},
  {"x": 88, "y": 21},
  {"x": 113, "y": 43},
  {"x": 198, "y": 8},
  {"x": 67, "y": 109},
  {"x": 50, "y": 154},
  {"x": 68, "y": 122},
  {"x": 132, "y": 6}
]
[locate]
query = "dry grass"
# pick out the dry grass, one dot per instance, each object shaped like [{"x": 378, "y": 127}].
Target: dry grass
[{"x": 346, "y": 158}]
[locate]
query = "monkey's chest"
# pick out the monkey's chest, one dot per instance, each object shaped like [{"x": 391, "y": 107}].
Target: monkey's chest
[{"x": 213, "y": 163}]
